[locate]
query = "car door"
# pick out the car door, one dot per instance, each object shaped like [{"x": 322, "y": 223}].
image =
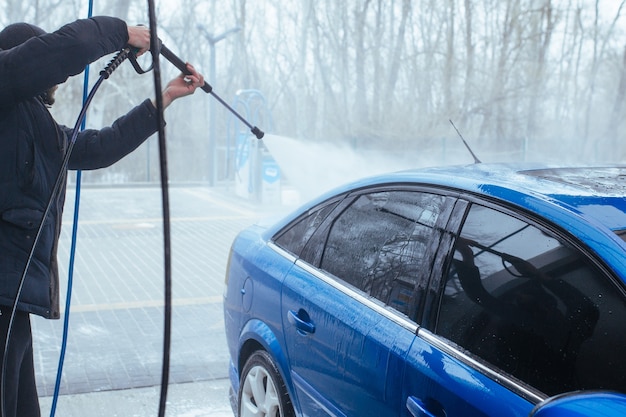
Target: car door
[
  {"x": 349, "y": 305},
  {"x": 341, "y": 350},
  {"x": 521, "y": 314}
]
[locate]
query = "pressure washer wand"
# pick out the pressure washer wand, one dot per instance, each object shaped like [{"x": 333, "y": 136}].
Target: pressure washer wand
[{"x": 180, "y": 64}]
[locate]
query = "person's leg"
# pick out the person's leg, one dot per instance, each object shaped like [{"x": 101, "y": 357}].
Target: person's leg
[
  {"x": 20, "y": 387},
  {"x": 27, "y": 398}
]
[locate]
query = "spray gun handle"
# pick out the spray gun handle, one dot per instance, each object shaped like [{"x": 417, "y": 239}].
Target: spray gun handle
[{"x": 179, "y": 63}]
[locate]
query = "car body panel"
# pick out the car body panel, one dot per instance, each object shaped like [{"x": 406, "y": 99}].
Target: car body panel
[
  {"x": 243, "y": 302},
  {"x": 447, "y": 386}
]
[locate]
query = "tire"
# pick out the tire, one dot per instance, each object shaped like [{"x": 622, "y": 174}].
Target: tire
[{"x": 262, "y": 392}]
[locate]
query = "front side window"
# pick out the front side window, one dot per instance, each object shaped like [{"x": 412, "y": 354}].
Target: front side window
[
  {"x": 533, "y": 306},
  {"x": 380, "y": 244}
]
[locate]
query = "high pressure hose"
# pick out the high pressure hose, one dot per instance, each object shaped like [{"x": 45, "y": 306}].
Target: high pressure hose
[{"x": 167, "y": 309}]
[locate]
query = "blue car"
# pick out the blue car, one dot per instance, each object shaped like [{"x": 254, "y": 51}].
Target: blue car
[{"x": 483, "y": 290}]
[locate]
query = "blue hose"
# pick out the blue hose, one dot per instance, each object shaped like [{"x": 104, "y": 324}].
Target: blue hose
[{"x": 70, "y": 275}]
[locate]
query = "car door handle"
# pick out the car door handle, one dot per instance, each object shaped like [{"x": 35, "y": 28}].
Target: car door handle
[
  {"x": 417, "y": 408},
  {"x": 302, "y": 321}
]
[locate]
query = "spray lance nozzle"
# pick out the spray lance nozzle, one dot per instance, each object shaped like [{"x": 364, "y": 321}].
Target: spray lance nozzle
[{"x": 180, "y": 64}]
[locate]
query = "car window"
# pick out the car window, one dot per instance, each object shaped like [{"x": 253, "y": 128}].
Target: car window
[
  {"x": 380, "y": 244},
  {"x": 295, "y": 237},
  {"x": 533, "y": 306}
]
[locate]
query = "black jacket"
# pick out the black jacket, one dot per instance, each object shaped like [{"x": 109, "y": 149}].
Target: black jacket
[{"x": 32, "y": 148}]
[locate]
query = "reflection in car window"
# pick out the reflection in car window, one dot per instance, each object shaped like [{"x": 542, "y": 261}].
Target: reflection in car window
[
  {"x": 296, "y": 236},
  {"x": 379, "y": 244},
  {"x": 533, "y": 306}
]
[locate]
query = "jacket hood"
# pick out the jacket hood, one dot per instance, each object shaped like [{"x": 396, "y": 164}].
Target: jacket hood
[{"x": 18, "y": 33}]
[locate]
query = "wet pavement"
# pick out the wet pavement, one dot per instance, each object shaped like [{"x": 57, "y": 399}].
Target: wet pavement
[
  {"x": 115, "y": 340},
  {"x": 197, "y": 399}
]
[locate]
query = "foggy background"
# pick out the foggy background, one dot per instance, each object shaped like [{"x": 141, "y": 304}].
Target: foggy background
[{"x": 535, "y": 80}]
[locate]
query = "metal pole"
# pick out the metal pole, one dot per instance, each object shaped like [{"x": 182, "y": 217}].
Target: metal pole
[
  {"x": 212, "y": 139},
  {"x": 212, "y": 134}
]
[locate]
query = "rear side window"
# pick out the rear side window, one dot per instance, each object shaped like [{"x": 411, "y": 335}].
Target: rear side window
[
  {"x": 381, "y": 244},
  {"x": 296, "y": 236},
  {"x": 533, "y": 306}
]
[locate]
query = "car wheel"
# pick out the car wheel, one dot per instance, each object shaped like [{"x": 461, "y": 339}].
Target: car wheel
[{"x": 262, "y": 392}]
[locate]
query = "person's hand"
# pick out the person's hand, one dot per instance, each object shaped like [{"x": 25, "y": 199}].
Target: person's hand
[
  {"x": 183, "y": 85},
  {"x": 139, "y": 37}
]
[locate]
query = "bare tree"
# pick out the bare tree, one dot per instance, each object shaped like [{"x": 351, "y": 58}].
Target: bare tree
[
  {"x": 617, "y": 115},
  {"x": 543, "y": 23}
]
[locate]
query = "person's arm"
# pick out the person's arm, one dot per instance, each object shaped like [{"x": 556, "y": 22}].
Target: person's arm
[
  {"x": 47, "y": 60},
  {"x": 100, "y": 148},
  {"x": 181, "y": 86}
]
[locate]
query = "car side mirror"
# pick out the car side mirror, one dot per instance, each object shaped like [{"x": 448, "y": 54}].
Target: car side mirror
[{"x": 582, "y": 404}]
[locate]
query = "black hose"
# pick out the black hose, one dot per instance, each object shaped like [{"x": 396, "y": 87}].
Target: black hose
[{"x": 167, "y": 311}]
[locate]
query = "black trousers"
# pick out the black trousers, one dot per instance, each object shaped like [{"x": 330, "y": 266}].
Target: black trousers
[{"x": 20, "y": 395}]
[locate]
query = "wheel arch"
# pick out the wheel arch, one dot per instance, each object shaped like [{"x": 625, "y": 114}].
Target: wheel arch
[{"x": 257, "y": 335}]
